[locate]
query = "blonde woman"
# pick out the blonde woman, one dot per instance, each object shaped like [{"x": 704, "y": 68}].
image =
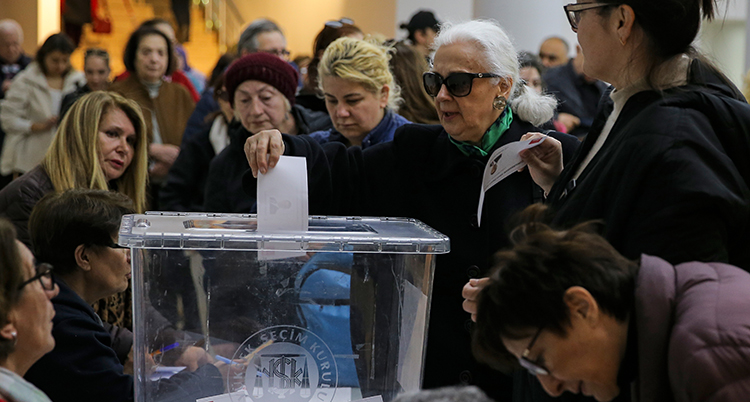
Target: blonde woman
[
  {"x": 100, "y": 144},
  {"x": 361, "y": 95}
]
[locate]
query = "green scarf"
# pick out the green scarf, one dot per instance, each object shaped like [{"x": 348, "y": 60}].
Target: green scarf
[{"x": 496, "y": 130}]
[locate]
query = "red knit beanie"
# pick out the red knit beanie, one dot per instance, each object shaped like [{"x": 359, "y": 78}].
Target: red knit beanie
[{"x": 264, "y": 67}]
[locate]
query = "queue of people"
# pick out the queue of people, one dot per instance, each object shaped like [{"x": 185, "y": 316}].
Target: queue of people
[{"x": 613, "y": 266}]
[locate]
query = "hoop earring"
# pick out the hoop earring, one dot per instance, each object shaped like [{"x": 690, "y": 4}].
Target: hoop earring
[
  {"x": 499, "y": 103},
  {"x": 622, "y": 41},
  {"x": 14, "y": 335}
]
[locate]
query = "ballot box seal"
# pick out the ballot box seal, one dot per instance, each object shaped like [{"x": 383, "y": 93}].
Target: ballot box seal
[{"x": 286, "y": 363}]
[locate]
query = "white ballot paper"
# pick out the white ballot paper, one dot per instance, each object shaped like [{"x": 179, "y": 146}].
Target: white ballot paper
[
  {"x": 503, "y": 163},
  {"x": 282, "y": 204}
]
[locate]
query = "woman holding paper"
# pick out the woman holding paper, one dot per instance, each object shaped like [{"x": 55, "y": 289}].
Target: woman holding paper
[
  {"x": 667, "y": 163},
  {"x": 435, "y": 174}
]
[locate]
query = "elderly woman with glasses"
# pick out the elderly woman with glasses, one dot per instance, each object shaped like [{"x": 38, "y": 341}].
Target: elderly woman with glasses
[
  {"x": 25, "y": 316},
  {"x": 434, "y": 174},
  {"x": 76, "y": 231}
]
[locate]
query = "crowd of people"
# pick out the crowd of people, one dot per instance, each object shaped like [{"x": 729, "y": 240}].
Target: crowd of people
[{"x": 613, "y": 266}]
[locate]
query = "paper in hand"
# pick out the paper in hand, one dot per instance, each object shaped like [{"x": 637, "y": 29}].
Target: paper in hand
[
  {"x": 282, "y": 202},
  {"x": 503, "y": 163}
]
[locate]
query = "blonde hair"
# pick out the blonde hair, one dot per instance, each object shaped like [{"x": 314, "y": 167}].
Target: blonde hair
[
  {"x": 72, "y": 161},
  {"x": 363, "y": 62}
]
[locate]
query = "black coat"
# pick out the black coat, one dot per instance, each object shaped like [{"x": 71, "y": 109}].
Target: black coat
[
  {"x": 83, "y": 367},
  {"x": 186, "y": 182},
  {"x": 223, "y": 190},
  {"x": 672, "y": 177},
  {"x": 18, "y": 199},
  {"x": 422, "y": 175},
  {"x": 576, "y": 96}
]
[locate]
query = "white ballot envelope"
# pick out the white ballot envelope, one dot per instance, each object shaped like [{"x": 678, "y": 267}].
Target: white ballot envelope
[
  {"x": 282, "y": 204},
  {"x": 503, "y": 163}
]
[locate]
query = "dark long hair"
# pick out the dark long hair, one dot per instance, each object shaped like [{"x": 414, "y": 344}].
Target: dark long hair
[
  {"x": 407, "y": 66},
  {"x": 131, "y": 49},
  {"x": 670, "y": 27},
  {"x": 56, "y": 42}
]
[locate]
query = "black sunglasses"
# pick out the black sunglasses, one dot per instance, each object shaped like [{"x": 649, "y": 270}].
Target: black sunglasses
[
  {"x": 533, "y": 367},
  {"x": 43, "y": 275},
  {"x": 457, "y": 84},
  {"x": 573, "y": 11}
]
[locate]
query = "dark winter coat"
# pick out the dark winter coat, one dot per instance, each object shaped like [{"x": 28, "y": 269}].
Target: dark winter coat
[
  {"x": 19, "y": 197},
  {"x": 672, "y": 178},
  {"x": 186, "y": 182},
  {"x": 83, "y": 367},
  {"x": 422, "y": 175},
  {"x": 224, "y": 183}
]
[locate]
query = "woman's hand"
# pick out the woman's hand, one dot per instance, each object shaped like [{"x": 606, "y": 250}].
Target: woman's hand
[
  {"x": 569, "y": 121},
  {"x": 44, "y": 125},
  {"x": 263, "y": 150},
  {"x": 471, "y": 294},
  {"x": 545, "y": 161}
]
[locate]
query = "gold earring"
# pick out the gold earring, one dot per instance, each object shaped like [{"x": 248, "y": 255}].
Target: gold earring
[
  {"x": 499, "y": 103},
  {"x": 622, "y": 41}
]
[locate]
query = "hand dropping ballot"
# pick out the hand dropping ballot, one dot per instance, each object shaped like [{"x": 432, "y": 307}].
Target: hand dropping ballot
[
  {"x": 282, "y": 204},
  {"x": 503, "y": 163}
]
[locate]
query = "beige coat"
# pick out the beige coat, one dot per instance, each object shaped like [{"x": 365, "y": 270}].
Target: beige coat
[
  {"x": 172, "y": 107},
  {"x": 27, "y": 101}
]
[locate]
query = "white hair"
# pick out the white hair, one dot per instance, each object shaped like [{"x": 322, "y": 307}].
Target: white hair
[
  {"x": 9, "y": 25},
  {"x": 500, "y": 58}
]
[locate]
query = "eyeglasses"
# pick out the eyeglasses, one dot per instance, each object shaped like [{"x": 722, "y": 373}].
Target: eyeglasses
[
  {"x": 340, "y": 23},
  {"x": 43, "y": 275},
  {"x": 283, "y": 53},
  {"x": 573, "y": 11},
  {"x": 115, "y": 245},
  {"x": 533, "y": 367},
  {"x": 457, "y": 84}
]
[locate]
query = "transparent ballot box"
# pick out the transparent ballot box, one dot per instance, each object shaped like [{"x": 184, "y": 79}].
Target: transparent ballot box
[{"x": 225, "y": 312}]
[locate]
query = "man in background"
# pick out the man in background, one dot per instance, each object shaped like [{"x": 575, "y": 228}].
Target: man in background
[
  {"x": 578, "y": 95},
  {"x": 263, "y": 35},
  {"x": 554, "y": 52}
]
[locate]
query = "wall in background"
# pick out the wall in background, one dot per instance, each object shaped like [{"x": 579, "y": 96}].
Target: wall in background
[
  {"x": 445, "y": 10},
  {"x": 38, "y": 18},
  {"x": 301, "y": 20},
  {"x": 528, "y": 22}
]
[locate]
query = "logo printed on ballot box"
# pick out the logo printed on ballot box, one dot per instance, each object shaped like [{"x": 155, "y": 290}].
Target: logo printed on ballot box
[{"x": 296, "y": 367}]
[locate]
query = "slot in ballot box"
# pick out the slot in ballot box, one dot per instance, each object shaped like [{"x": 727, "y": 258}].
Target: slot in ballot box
[{"x": 336, "y": 313}]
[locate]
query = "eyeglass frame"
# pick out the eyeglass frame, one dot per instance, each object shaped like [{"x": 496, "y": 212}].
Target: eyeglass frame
[
  {"x": 116, "y": 246},
  {"x": 278, "y": 53},
  {"x": 443, "y": 80},
  {"x": 42, "y": 270},
  {"x": 532, "y": 366},
  {"x": 573, "y": 10}
]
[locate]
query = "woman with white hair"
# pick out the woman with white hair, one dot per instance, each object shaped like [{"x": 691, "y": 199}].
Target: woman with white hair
[{"x": 434, "y": 174}]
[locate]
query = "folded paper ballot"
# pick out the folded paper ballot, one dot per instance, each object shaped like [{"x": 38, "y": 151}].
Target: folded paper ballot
[
  {"x": 282, "y": 203},
  {"x": 503, "y": 163}
]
